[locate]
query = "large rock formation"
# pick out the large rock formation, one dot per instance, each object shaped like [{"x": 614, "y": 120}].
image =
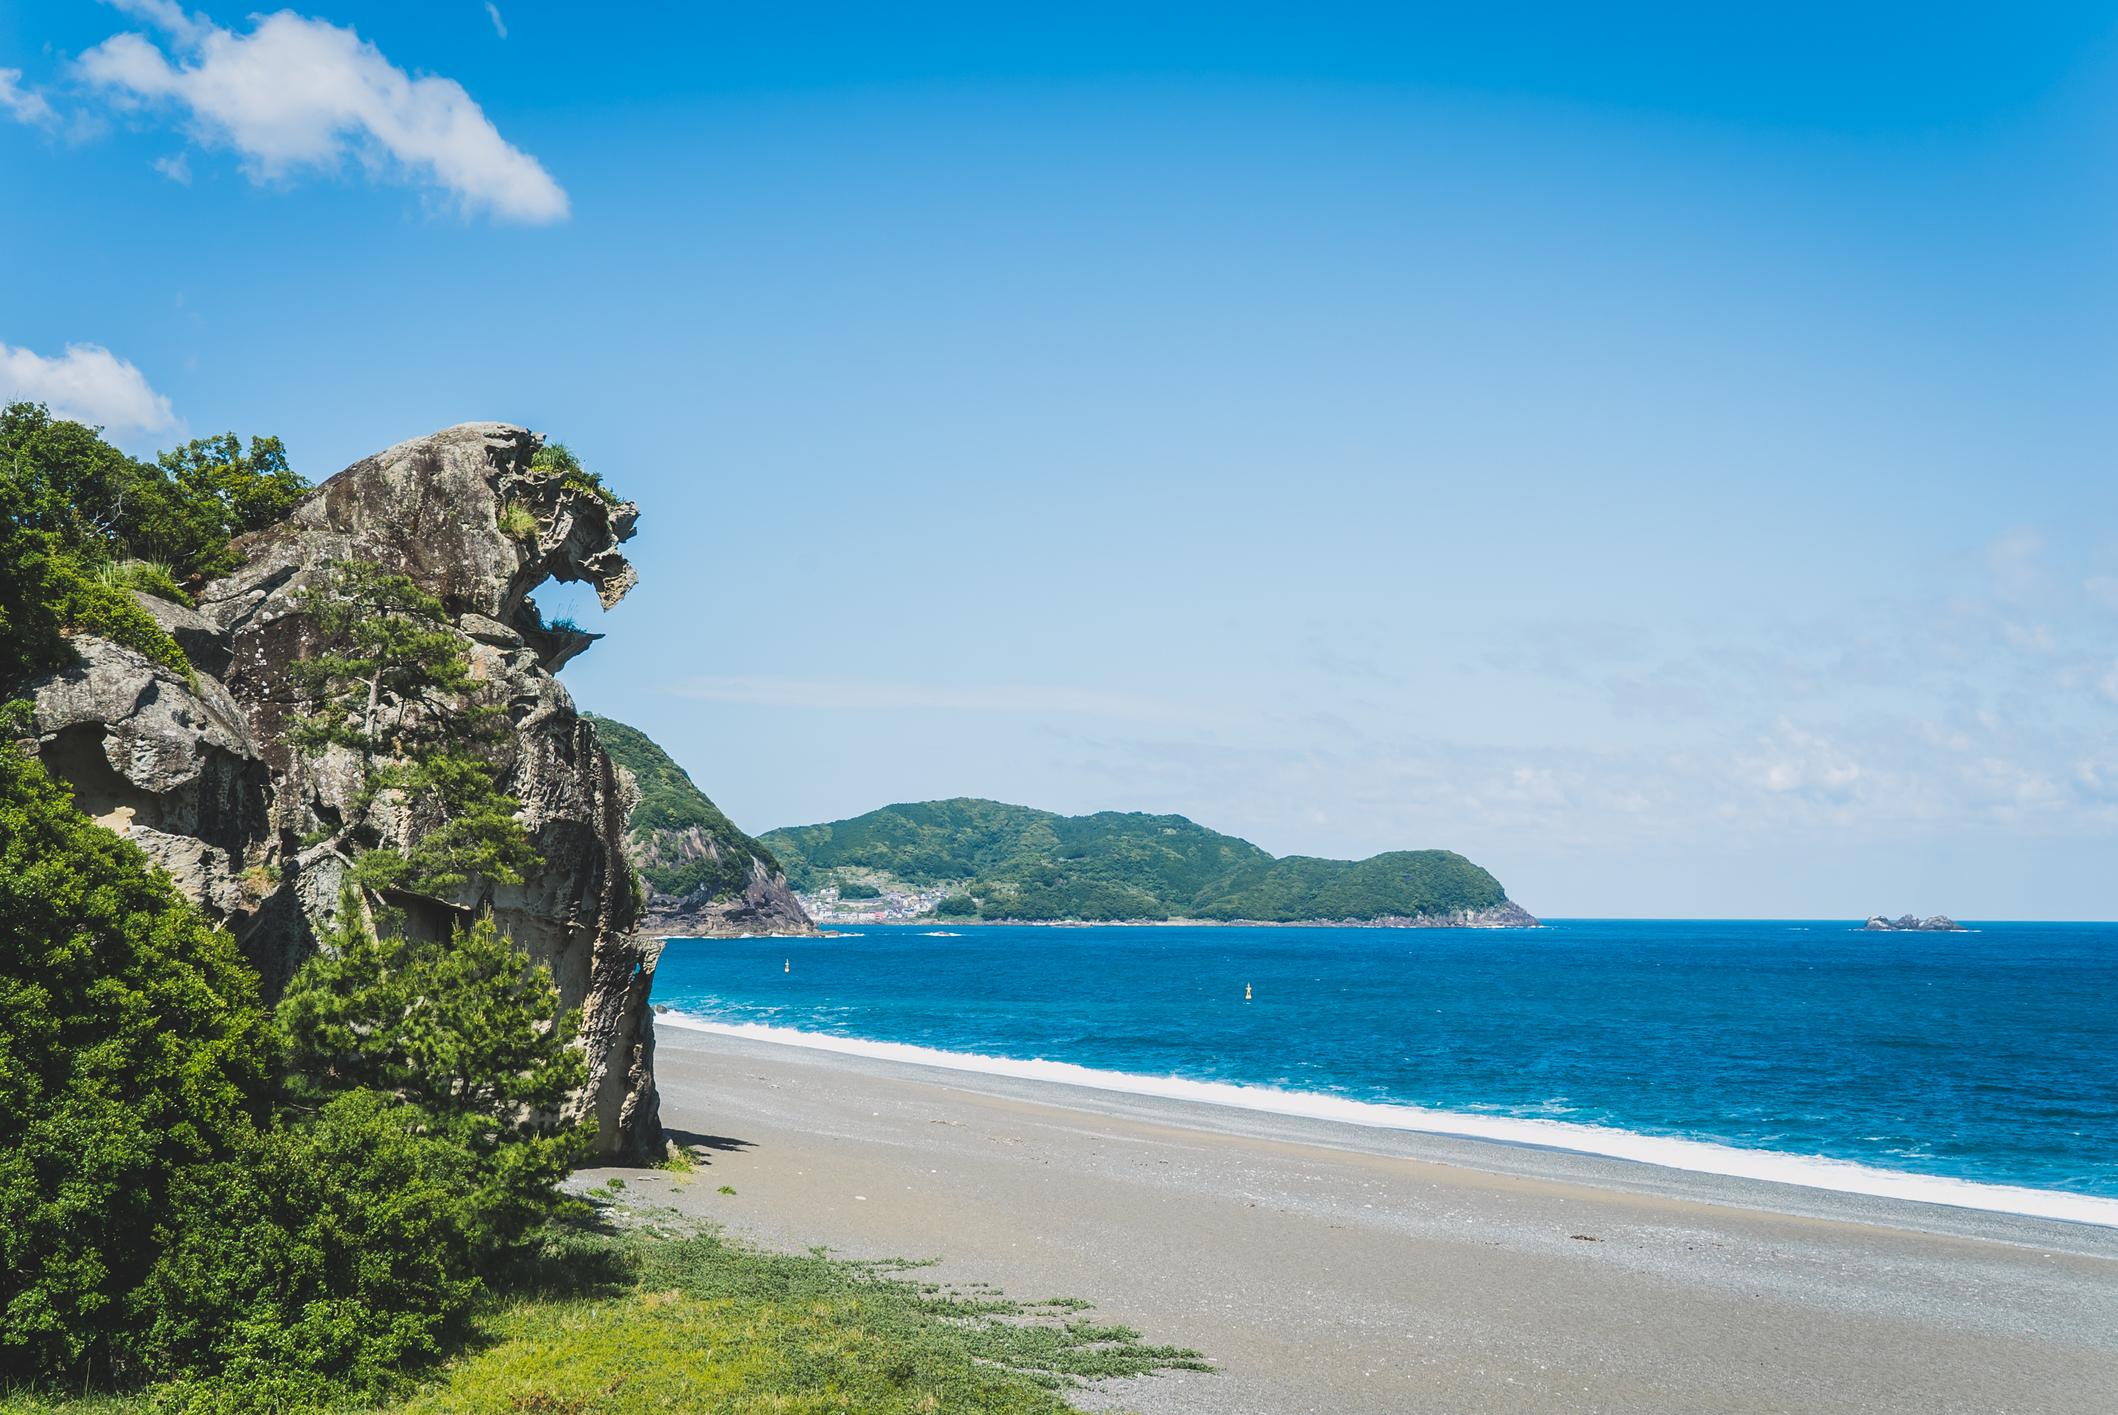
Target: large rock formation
[{"x": 203, "y": 775}]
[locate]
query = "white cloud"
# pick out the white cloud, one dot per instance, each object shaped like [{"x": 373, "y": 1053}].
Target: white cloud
[
  {"x": 499, "y": 25},
  {"x": 24, "y": 105},
  {"x": 165, "y": 15},
  {"x": 854, "y": 695},
  {"x": 176, "y": 167},
  {"x": 298, "y": 94},
  {"x": 86, "y": 384}
]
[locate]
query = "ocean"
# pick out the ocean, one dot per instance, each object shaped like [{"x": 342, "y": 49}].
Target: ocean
[{"x": 1966, "y": 1068}]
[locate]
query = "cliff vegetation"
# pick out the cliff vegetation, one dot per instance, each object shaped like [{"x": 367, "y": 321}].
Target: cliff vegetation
[{"x": 704, "y": 875}]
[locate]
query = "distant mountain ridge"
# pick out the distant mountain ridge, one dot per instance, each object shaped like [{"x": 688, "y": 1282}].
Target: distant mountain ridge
[{"x": 1000, "y": 861}]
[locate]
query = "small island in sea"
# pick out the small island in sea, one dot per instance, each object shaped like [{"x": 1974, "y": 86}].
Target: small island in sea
[{"x": 986, "y": 860}]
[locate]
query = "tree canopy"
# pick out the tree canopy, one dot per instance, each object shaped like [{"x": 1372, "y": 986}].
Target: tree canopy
[
  {"x": 82, "y": 525},
  {"x": 133, "y": 1048}
]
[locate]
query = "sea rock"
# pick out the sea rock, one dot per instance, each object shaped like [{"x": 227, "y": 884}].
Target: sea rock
[
  {"x": 204, "y": 775},
  {"x": 1934, "y": 923}
]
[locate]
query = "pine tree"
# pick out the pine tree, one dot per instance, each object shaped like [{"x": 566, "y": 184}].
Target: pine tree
[{"x": 391, "y": 684}]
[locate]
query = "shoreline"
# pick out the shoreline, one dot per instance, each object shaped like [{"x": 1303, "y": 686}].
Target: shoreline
[
  {"x": 1392, "y": 921},
  {"x": 1214, "y": 1102},
  {"x": 1329, "y": 1267}
]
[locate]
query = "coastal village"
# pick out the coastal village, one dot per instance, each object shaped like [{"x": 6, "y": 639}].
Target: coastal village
[{"x": 891, "y": 904}]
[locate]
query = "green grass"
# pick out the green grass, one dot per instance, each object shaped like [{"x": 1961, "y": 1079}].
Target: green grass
[{"x": 650, "y": 1318}]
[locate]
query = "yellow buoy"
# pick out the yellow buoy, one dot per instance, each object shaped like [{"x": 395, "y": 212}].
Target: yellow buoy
[
  {"x": 1246, "y": 992},
  {"x": 789, "y": 967}
]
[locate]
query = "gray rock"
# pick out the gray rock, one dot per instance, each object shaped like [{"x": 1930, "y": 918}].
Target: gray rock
[
  {"x": 171, "y": 765},
  {"x": 1903, "y": 923},
  {"x": 765, "y": 905},
  {"x": 199, "y": 637}
]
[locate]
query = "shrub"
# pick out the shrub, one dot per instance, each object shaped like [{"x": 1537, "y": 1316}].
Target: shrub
[
  {"x": 148, "y": 576},
  {"x": 856, "y": 889},
  {"x": 463, "y": 1028},
  {"x": 70, "y": 503},
  {"x": 331, "y": 1253},
  {"x": 88, "y": 606},
  {"x": 133, "y": 1050},
  {"x": 557, "y": 459},
  {"x": 518, "y": 521},
  {"x": 956, "y": 906}
]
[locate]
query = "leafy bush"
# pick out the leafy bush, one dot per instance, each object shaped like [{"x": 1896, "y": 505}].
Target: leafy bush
[
  {"x": 134, "y": 1052},
  {"x": 276, "y": 1208},
  {"x": 956, "y": 906},
  {"x": 327, "y": 1255},
  {"x": 88, "y": 606},
  {"x": 71, "y": 503},
  {"x": 856, "y": 889}
]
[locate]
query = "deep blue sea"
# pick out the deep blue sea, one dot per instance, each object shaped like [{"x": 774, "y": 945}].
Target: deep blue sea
[{"x": 1989, "y": 1056}]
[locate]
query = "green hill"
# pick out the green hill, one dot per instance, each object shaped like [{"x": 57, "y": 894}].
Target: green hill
[
  {"x": 681, "y": 843},
  {"x": 1019, "y": 863}
]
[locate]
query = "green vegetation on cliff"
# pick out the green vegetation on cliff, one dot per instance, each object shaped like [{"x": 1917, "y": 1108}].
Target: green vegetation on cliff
[
  {"x": 1019, "y": 863},
  {"x": 682, "y": 842},
  {"x": 258, "y": 1209},
  {"x": 82, "y": 525}
]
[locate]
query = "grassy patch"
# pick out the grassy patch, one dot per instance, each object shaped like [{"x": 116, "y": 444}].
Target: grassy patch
[
  {"x": 711, "y": 1325},
  {"x": 604, "y": 1323}
]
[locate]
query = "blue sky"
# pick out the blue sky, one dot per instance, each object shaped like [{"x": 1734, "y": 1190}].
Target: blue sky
[{"x": 1666, "y": 456}]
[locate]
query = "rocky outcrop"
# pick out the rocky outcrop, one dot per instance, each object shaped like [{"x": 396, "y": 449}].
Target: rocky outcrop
[
  {"x": 1505, "y": 915},
  {"x": 203, "y": 774},
  {"x": 1933, "y": 923},
  {"x": 170, "y": 763},
  {"x": 764, "y": 905}
]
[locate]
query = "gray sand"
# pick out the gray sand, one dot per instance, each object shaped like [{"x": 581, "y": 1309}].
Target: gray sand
[{"x": 1333, "y": 1268}]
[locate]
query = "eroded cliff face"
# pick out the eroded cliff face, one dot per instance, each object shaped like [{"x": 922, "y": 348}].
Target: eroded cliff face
[
  {"x": 204, "y": 777},
  {"x": 764, "y": 905}
]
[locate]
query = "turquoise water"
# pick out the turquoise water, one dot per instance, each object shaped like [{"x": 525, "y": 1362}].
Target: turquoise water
[{"x": 1989, "y": 1056}]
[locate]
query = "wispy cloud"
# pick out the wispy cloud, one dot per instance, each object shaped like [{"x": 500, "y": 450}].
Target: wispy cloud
[
  {"x": 857, "y": 695},
  {"x": 499, "y": 25},
  {"x": 24, "y": 104},
  {"x": 297, "y": 94},
  {"x": 86, "y": 384}
]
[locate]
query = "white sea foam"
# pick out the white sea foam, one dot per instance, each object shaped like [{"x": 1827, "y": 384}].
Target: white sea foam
[{"x": 1695, "y": 1156}]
